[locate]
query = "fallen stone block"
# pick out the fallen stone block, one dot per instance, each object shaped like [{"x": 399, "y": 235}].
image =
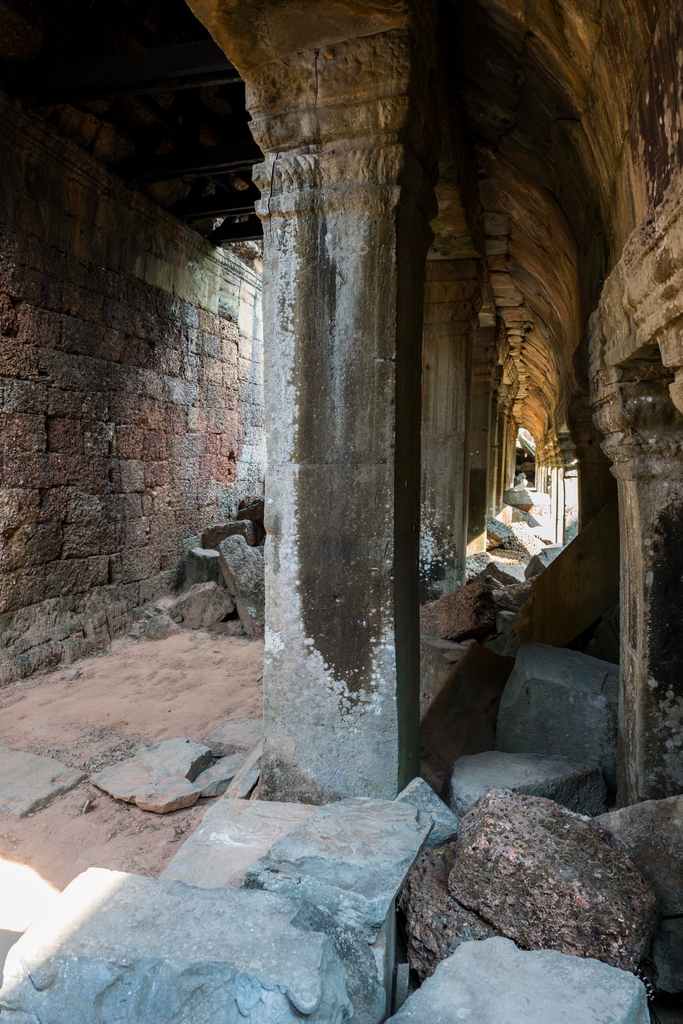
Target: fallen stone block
[
  {"x": 497, "y": 533},
  {"x": 435, "y": 923},
  {"x": 29, "y": 781},
  {"x": 437, "y": 658},
  {"x": 252, "y": 533},
  {"x": 494, "y": 982},
  {"x": 157, "y": 778},
  {"x": 233, "y": 834},
  {"x": 420, "y": 794},
  {"x": 202, "y": 605},
  {"x": 462, "y": 717},
  {"x": 116, "y": 946},
  {"x": 510, "y": 598},
  {"x": 252, "y": 510},
  {"x": 156, "y": 627},
  {"x": 542, "y": 560},
  {"x": 651, "y": 835},
  {"x": 350, "y": 858},
  {"x": 561, "y": 702},
  {"x": 237, "y": 736},
  {"x": 469, "y": 612},
  {"x": 215, "y": 780},
  {"x": 545, "y": 877},
  {"x": 201, "y": 566},
  {"x": 248, "y": 775},
  {"x": 507, "y": 576},
  {"x": 244, "y": 573},
  {"x": 580, "y": 787},
  {"x": 667, "y": 953}
]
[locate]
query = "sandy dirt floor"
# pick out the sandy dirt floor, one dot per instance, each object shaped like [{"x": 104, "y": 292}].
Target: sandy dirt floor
[{"x": 101, "y": 710}]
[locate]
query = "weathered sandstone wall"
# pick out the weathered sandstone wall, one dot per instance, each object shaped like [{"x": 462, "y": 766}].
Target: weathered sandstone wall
[{"x": 131, "y": 409}]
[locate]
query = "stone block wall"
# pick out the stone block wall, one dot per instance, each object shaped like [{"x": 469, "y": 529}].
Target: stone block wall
[{"x": 131, "y": 397}]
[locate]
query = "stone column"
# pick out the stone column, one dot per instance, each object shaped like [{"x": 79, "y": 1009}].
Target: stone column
[
  {"x": 480, "y": 439},
  {"x": 596, "y": 484},
  {"x": 452, "y": 298},
  {"x": 346, "y": 202}
]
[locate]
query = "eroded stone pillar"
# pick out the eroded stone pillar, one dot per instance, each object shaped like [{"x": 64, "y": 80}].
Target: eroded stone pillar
[
  {"x": 452, "y": 299},
  {"x": 346, "y": 202},
  {"x": 480, "y": 439}
]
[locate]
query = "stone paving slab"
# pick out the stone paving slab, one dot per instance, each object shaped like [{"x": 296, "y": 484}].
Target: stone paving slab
[
  {"x": 232, "y": 835},
  {"x": 494, "y": 982},
  {"x": 235, "y": 737},
  {"x": 117, "y": 947},
  {"x": 29, "y": 781},
  {"x": 350, "y": 857},
  {"x": 580, "y": 787},
  {"x": 157, "y": 778}
]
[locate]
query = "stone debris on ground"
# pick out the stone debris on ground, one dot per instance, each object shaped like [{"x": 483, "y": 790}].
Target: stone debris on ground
[
  {"x": 497, "y": 533},
  {"x": 558, "y": 701},
  {"x": 247, "y": 777},
  {"x": 252, "y": 533},
  {"x": 158, "y": 778},
  {"x": 542, "y": 560},
  {"x": 651, "y": 835},
  {"x": 214, "y": 780},
  {"x": 510, "y": 598},
  {"x": 437, "y": 658},
  {"x": 251, "y": 509},
  {"x": 153, "y": 627},
  {"x": 29, "y": 782},
  {"x": 233, "y": 834},
  {"x": 506, "y": 575},
  {"x": 474, "y": 564},
  {"x": 202, "y": 566},
  {"x": 244, "y": 573},
  {"x": 350, "y": 857},
  {"x": 158, "y": 951},
  {"x": 420, "y": 794},
  {"x": 580, "y": 787},
  {"x": 494, "y": 982},
  {"x": 469, "y": 612},
  {"x": 202, "y": 605},
  {"x": 525, "y": 539},
  {"x": 462, "y": 717},
  {"x": 237, "y": 736},
  {"x": 544, "y": 877},
  {"x": 435, "y": 923}
]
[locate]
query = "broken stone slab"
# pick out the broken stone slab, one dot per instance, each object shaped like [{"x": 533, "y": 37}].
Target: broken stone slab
[
  {"x": 580, "y": 787},
  {"x": 651, "y": 835},
  {"x": 469, "y": 612},
  {"x": 202, "y": 566},
  {"x": 350, "y": 858},
  {"x": 493, "y": 981},
  {"x": 29, "y": 782},
  {"x": 202, "y": 605},
  {"x": 248, "y": 775},
  {"x": 462, "y": 717},
  {"x": 157, "y": 778},
  {"x": 420, "y": 794},
  {"x": 558, "y": 701},
  {"x": 252, "y": 533},
  {"x": 545, "y": 877},
  {"x": 252, "y": 510},
  {"x": 244, "y": 573},
  {"x": 542, "y": 560},
  {"x": 159, "y": 951},
  {"x": 215, "y": 780},
  {"x": 237, "y": 736},
  {"x": 512, "y": 598},
  {"x": 435, "y": 923},
  {"x": 233, "y": 834},
  {"x": 508, "y": 576},
  {"x": 437, "y": 658},
  {"x": 497, "y": 533},
  {"x": 667, "y": 953}
]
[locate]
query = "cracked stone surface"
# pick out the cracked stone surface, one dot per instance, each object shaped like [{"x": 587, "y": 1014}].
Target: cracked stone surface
[
  {"x": 158, "y": 778},
  {"x": 420, "y": 794},
  {"x": 29, "y": 781}
]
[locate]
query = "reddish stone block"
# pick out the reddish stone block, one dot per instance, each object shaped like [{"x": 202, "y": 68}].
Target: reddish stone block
[{"x": 64, "y": 435}]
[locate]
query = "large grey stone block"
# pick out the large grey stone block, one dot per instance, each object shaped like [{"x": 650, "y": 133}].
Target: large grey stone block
[
  {"x": 244, "y": 572},
  {"x": 116, "y": 947},
  {"x": 29, "y": 781},
  {"x": 203, "y": 605},
  {"x": 158, "y": 778},
  {"x": 202, "y": 566},
  {"x": 214, "y": 780},
  {"x": 651, "y": 835},
  {"x": 349, "y": 857},
  {"x": 561, "y": 702},
  {"x": 232, "y": 835},
  {"x": 494, "y": 982},
  {"x": 237, "y": 736},
  {"x": 420, "y": 794},
  {"x": 580, "y": 787}
]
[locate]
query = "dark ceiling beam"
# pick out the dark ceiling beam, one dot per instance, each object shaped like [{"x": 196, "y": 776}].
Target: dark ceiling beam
[
  {"x": 237, "y": 156},
  {"x": 164, "y": 69},
  {"x": 250, "y": 230},
  {"x": 221, "y": 204}
]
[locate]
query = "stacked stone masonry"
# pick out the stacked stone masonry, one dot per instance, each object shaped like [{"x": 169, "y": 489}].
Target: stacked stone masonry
[{"x": 131, "y": 397}]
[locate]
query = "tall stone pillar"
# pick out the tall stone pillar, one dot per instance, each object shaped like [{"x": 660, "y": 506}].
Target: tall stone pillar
[
  {"x": 347, "y": 197},
  {"x": 596, "y": 484},
  {"x": 638, "y": 410},
  {"x": 452, "y": 299},
  {"x": 480, "y": 439}
]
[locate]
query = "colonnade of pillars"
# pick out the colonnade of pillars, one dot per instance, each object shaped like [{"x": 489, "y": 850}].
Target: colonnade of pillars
[{"x": 340, "y": 106}]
